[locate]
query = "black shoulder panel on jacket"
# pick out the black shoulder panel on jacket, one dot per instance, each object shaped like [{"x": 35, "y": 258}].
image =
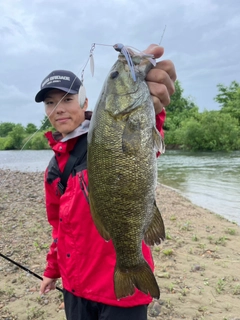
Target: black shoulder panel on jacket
[
  {"x": 53, "y": 170},
  {"x": 79, "y": 151}
]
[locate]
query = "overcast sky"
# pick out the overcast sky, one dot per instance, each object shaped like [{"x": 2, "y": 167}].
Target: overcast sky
[{"x": 202, "y": 38}]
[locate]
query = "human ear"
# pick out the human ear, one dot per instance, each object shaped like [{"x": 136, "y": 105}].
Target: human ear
[{"x": 85, "y": 106}]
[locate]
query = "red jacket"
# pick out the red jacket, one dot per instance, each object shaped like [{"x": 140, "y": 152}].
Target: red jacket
[{"x": 78, "y": 254}]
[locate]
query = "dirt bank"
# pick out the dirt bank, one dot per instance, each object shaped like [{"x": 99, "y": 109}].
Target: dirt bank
[{"x": 197, "y": 267}]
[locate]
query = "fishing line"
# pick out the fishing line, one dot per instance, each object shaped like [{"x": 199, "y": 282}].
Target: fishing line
[
  {"x": 118, "y": 47},
  {"x": 162, "y": 34},
  {"x": 82, "y": 79},
  {"x": 82, "y": 73},
  {"x": 29, "y": 139}
]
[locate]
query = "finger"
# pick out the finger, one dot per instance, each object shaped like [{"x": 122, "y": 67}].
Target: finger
[
  {"x": 42, "y": 289},
  {"x": 158, "y": 106},
  {"x": 159, "y": 91},
  {"x": 47, "y": 285},
  {"x": 154, "y": 49},
  {"x": 53, "y": 285},
  {"x": 47, "y": 289},
  {"x": 168, "y": 67},
  {"x": 159, "y": 76}
]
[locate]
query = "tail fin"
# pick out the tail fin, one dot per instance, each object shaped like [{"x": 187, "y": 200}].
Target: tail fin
[{"x": 140, "y": 277}]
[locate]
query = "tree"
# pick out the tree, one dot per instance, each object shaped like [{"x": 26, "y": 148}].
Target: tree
[
  {"x": 188, "y": 129},
  {"x": 229, "y": 99},
  {"x": 179, "y": 110},
  {"x": 175, "y": 121},
  {"x": 214, "y": 132},
  {"x": 31, "y": 128},
  {"x": 15, "y": 138},
  {"x": 45, "y": 124},
  {"x": 178, "y": 102},
  {"x": 38, "y": 142},
  {"x": 226, "y": 93},
  {"x": 233, "y": 106},
  {"x": 5, "y": 128}
]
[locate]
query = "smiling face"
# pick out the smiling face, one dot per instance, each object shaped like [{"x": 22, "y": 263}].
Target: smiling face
[{"x": 68, "y": 115}]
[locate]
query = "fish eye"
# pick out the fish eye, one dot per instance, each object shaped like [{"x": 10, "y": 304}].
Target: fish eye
[{"x": 114, "y": 74}]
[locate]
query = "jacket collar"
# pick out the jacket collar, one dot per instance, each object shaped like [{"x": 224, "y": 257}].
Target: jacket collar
[
  {"x": 55, "y": 138},
  {"x": 82, "y": 129}
]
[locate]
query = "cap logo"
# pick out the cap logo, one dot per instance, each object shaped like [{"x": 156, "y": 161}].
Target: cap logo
[{"x": 54, "y": 79}]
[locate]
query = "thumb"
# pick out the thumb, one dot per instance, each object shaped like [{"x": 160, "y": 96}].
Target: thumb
[{"x": 155, "y": 49}]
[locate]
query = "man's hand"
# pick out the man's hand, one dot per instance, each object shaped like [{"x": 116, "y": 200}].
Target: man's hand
[
  {"x": 160, "y": 79},
  {"x": 47, "y": 284}
]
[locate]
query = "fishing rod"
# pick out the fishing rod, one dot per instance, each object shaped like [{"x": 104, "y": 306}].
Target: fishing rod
[{"x": 26, "y": 269}]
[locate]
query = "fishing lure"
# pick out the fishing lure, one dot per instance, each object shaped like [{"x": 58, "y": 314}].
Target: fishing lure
[
  {"x": 121, "y": 48},
  {"x": 125, "y": 50}
]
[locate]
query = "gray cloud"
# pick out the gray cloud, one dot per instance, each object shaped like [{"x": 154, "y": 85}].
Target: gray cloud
[{"x": 39, "y": 36}]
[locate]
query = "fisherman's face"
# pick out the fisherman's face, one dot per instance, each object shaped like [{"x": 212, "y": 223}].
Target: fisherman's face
[{"x": 68, "y": 114}]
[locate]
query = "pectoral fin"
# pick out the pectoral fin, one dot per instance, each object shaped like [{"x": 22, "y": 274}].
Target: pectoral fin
[
  {"x": 131, "y": 138},
  {"x": 156, "y": 231}
]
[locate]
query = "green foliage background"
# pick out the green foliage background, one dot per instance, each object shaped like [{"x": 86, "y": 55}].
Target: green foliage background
[
  {"x": 16, "y": 137},
  {"x": 185, "y": 127}
]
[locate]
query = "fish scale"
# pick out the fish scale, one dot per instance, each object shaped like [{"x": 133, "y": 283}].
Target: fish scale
[{"x": 122, "y": 174}]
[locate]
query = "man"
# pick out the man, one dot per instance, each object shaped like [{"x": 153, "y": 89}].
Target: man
[{"x": 78, "y": 254}]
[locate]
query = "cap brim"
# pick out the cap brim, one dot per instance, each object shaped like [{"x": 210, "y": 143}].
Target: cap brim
[{"x": 42, "y": 93}]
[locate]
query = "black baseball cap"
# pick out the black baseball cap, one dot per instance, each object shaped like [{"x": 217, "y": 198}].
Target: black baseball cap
[{"x": 59, "y": 79}]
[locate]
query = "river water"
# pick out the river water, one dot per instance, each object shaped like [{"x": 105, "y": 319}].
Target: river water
[{"x": 210, "y": 180}]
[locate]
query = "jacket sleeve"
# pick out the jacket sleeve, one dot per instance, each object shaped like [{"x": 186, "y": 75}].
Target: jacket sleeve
[
  {"x": 52, "y": 208},
  {"x": 160, "y": 119}
]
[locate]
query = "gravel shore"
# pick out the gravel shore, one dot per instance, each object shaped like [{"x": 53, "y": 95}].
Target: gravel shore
[{"x": 197, "y": 266}]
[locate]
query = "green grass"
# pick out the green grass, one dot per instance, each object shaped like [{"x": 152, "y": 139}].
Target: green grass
[
  {"x": 221, "y": 241},
  {"x": 236, "y": 290},
  {"x": 186, "y": 226},
  {"x": 220, "y": 285},
  {"x": 231, "y": 231},
  {"x": 168, "y": 236},
  {"x": 168, "y": 252},
  {"x": 195, "y": 237}
]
